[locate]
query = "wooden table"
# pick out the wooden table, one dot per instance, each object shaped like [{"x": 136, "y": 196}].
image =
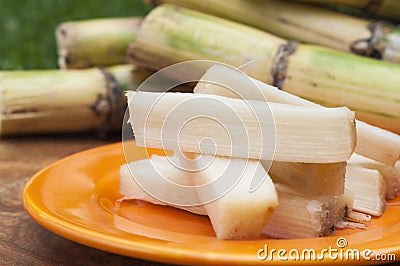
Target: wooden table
[{"x": 22, "y": 241}]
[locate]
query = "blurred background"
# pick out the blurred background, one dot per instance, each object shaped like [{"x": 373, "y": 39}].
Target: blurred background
[{"x": 27, "y": 27}]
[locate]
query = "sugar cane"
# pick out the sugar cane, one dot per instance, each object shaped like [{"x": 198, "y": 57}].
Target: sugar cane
[
  {"x": 98, "y": 42},
  {"x": 319, "y": 74},
  {"x": 308, "y": 24},
  {"x": 303, "y": 216},
  {"x": 390, "y": 174},
  {"x": 372, "y": 142},
  {"x": 310, "y": 178},
  {"x": 368, "y": 189},
  {"x": 153, "y": 170},
  {"x": 302, "y": 134},
  {"x": 385, "y": 8},
  {"x": 297, "y": 215},
  {"x": 236, "y": 213},
  {"x": 55, "y": 101}
]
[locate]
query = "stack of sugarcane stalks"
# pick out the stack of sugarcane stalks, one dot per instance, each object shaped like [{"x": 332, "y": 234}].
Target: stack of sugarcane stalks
[
  {"x": 310, "y": 24},
  {"x": 314, "y": 58},
  {"x": 322, "y": 75},
  {"x": 329, "y": 77}
]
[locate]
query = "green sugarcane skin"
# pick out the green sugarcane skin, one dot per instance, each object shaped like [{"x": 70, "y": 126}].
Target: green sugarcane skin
[
  {"x": 288, "y": 20},
  {"x": 51, "y": 101},
  {"x": 127, "y": 76},
  {"x": 172, "y": 34},
  {"x": 99, "y": 42},
  {"x": 305, "y": 23},
  {"x": 60, "y": 101},
  {"x": 367, "y": 86},
  {"x": 320, "y": 74}
]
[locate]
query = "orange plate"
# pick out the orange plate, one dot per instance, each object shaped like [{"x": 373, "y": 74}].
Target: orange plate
[{"x": 76, "y": 198}]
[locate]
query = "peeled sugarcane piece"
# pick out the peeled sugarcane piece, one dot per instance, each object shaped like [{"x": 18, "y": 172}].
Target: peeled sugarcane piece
[
  {"x": 237, "y": 213},
  {"x": 98, "y": 42},
  {"x": 326, "y": 76},
  {"x": 310, "y": 178},
  {"x": 377, "y": 144},
  {"x": 385, "y": 8},
  {"x": 372, "y": 142},
  {"x": 304, "y": 216},
  {"x": 54, "y": 101},
  {"x": 183, "y": 121},
  {"x": 297, "y": 215},
  {"x": 368, "y": 189},
  {"x": 153, "y": 170},
  {"x": 390, "y": 174},
  {"x": 306, "y": 23}
]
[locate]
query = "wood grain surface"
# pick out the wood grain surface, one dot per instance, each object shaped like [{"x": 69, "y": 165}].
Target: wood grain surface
[{"x": 22, "y": 240}]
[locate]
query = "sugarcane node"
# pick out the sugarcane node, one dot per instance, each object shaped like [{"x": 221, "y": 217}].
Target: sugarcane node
[
  {"x": 372, "y": 6},
  {"x": 372, "y": 46},
  {"x": 280, "y": 63},
  {"x": 111, "y": 104}
]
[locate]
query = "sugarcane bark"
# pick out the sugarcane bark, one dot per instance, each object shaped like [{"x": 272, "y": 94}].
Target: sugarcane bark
[
  {"x": 288, "y": 20},
  {"x": 169, "y": 37},
  {"x": 367, "y": 86},
  {"x": 60, "y": 101},
  {"x": 101, "y": 42},
  {"x": 38, "y": 101},
  {"x": 370, "y": 87},
  {"x": 306, "y": 23}
]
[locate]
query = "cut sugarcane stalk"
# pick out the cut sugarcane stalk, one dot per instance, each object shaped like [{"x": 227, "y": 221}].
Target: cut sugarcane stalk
[
  {"x": 49, "y": 101},
  {"x": 185, "y": 42},
  {"x": 372, "y": 142},
  {"x": 306, "y": 23},
  {"x": 128, "y": 77},
  {"x": 98, "y": 42},
  {"x": 181, "y": 121},
  {"x": 237, "y": 213},
  {"x": 386, "y": 8},
  {"x": 301, "y": 216},
  {"x": 153, "y": 171},
  {"x": 297, "y": 216},
  {"x": 368, "y": 189},
  {"x": 167, "y": 36},
  {"x": 390, "y": 174},
  {"x": 310, "y": 178}
]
